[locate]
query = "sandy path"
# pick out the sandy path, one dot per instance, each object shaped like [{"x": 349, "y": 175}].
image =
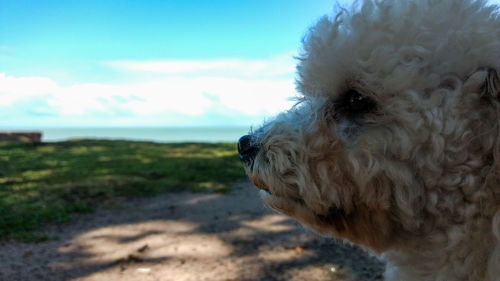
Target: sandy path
[{"x": 186, "y": 236}]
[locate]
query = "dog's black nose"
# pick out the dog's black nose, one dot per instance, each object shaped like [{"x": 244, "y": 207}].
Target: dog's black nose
[{"x": 247, "y": 148}]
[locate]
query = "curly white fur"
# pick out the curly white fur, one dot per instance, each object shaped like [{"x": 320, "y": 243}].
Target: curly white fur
[{"x": 418, "y": 179}]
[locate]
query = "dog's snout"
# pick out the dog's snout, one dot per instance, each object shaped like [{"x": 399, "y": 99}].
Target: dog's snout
[{"x": 247, "y": 148}]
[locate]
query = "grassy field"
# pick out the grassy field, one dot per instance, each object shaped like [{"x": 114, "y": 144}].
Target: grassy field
[{"x": 47, "y": 182}]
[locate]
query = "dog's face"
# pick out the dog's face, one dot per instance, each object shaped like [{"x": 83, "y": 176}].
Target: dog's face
[{"x": 394, "y": 136}]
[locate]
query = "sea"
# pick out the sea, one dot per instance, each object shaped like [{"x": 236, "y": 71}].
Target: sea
[{"x": 155, "y": 134}]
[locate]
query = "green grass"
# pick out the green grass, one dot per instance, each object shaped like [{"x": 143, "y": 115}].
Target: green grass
[{"x": 47, "y": 182}]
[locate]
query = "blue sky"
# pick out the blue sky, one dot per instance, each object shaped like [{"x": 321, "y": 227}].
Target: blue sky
[{"x": 149, "y": 63}]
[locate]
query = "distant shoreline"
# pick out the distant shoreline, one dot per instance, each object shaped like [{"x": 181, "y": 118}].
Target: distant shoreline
[{"x": 156, "y": 134}]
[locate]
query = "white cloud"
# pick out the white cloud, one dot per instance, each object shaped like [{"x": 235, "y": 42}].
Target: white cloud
[
  {"x": 177, "y": 93},
  {"x": 277, "y": 66},
  {"x": 14, "y": 89}
]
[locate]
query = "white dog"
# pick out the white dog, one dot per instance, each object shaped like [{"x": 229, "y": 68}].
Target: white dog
[{"x": 395, "y": 144}]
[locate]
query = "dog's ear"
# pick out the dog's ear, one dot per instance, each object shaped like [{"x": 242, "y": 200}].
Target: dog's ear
[
  {"x": 491, "y": 85},
  {"x": 486, "y": 82}
]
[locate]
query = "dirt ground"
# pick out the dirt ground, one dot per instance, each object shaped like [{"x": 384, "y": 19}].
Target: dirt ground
[{"x": 186, "y": 236}]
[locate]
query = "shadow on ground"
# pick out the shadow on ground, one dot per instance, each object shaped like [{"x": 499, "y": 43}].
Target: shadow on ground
[{"x": 186, "y": 236}]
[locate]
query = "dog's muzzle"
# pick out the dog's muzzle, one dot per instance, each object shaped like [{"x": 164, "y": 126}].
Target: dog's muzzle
[{"x": 247, "y": 149}]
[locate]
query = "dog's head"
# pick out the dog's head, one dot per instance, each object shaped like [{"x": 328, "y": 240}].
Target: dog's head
[{"x": 395, "y": 133}]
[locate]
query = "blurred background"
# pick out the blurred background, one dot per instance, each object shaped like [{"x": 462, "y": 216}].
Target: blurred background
[{"x": 149, "y": 70}]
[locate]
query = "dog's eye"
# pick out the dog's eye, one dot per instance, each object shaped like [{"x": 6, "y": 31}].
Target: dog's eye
[{"x": 351, "y": 104}]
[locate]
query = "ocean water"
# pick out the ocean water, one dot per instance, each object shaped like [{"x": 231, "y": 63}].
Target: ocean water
[{"x": 189, "y": 134}]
